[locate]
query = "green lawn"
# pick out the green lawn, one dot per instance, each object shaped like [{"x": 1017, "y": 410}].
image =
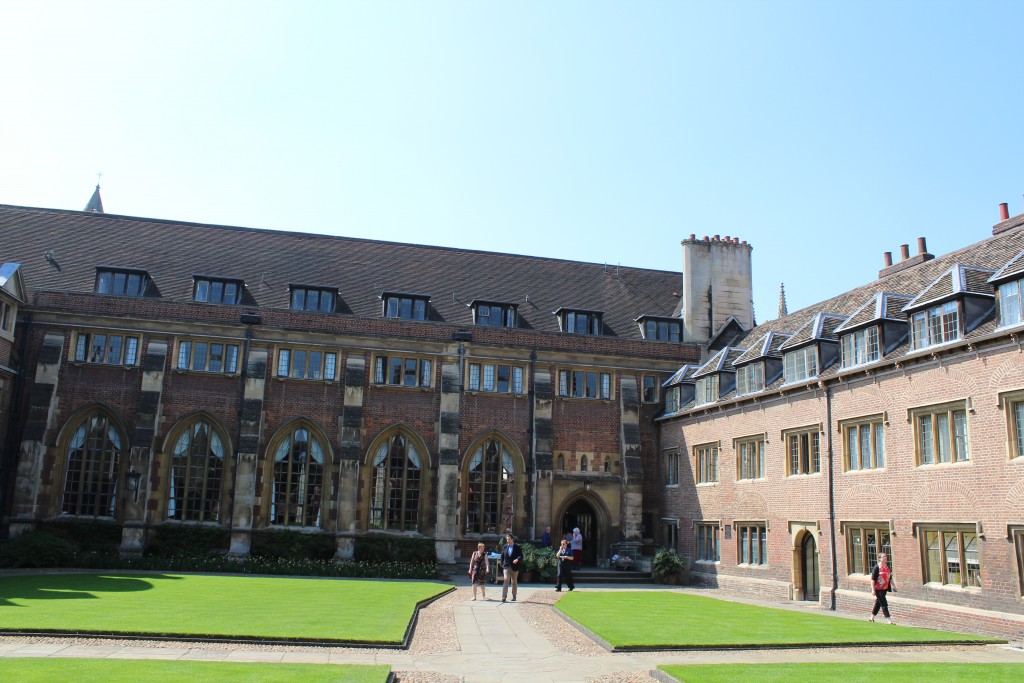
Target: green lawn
[
  {"x": 848, "y": 673},
  {"x": 664, "y": 619},
  {"x": 45, "y": 670},
  {"x": 229, "y": 606}
]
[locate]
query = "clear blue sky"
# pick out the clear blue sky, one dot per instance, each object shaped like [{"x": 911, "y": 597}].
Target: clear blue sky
[{"x": 824, "y": 133}]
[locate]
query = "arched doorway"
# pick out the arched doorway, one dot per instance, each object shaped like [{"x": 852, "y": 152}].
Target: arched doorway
[
  {"x": 809, "y": 568},
  {"x": 581, "y": 514}
]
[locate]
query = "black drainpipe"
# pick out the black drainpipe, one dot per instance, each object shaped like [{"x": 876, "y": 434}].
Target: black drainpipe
[{"x": 831, "y": 499}]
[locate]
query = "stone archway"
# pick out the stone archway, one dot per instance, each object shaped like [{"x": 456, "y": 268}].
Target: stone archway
[
  {"x": 808, "y": 571},
  {"x": 580, "y": 513}
]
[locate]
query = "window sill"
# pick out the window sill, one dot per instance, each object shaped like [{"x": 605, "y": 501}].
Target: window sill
[
  {"x": 747, "y": 565},
  {"x": 208, "y": 373},
  {"x": 400, "y": 386},
  {"x": 803, "y": 474},
  {"x": 708, "y": 562},
  {"x": 751, "y": 480},
  {"x": 707, "y": 483},
  {"x": 950, "y": 587},
  {"x": 583, "y": 398},
  {"x": 484, "y": 392},
  {"x": 305, "y": 380},
  {"x": 865, "y": 470},
  {"x": 942, "y": 465},
  {"x": 86, "y": 364}
]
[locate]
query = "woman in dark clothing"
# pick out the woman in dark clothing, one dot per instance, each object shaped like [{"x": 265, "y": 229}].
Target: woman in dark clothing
[
  {"x": 565, "y": 562},
  {"x": 479, "y": 566},
  {"x": 881, "y": 584}
]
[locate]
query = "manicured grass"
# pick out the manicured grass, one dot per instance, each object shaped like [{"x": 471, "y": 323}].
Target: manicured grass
[
  {"x": 661, "y": 618},
  {"x": 229, "y": 606},
  {"x": 45, "y": 670},
  {"x": 849, "y": 673}
]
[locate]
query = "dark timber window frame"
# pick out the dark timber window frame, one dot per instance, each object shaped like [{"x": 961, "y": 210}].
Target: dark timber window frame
[
  {"x": 585, "y": 383},
  {"x": 659, "y": 328},
  {"x": 803, "y": 450},
  {"x": 499, "y": 378},
  {"x": 217, "y": 356},
  {"x": 96, "y": 347},
  {"x": 708, "y": 542},
  {"x": 312, "y": 299},
  {"x": 580, "y": 321},
  {"x": 495, "y": 314},
  {"x": 130, "y": 282},
  {"x": 310, "y": 363},
  {"x": 217, "y": 290},
  {"x": 405, "y": 306},
  {"x": 410, "y": 371}
]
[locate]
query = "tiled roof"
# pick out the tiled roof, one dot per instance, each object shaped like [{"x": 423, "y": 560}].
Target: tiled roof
[
  {"x": 723, "y": 360},
  {"x": 822, "y": 327},
  {"x": 681, "y": 375},
  {"x": 766, "y": 346},
  {"x": 268, "y": 261},
  {"x": 1012, "y": 270},
  {"x": 882, "y": 306},
  {"x": 959, "y": 279}
]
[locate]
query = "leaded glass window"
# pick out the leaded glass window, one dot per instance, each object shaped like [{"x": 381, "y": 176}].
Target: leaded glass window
[
  {"x": 490, "y": 489},
  {"x": 298, "y": 482},
  {"x": 93, "y": 468},
  {"x": 395, "y": 479},
  {"x": 197, "y": 473}
]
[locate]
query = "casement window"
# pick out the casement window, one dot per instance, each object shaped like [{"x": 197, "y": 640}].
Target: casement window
[
  {"x": 216, "y": 290},
  {"x": 502, "y": 379},
  {"x": 314, "y": 299},
  {"x": 752, "y": 543},
  {"x": 750, "y": 458},
  {"x": 649, "y": 389},
  {"x": 1016, "y": 532},
  {"x": 406, "y": 307},
  {"x": 1010, "y": 304},
  {"x": 494, "y": 315},
  {"x": 1013, "y": 406},
  {"x": 490, "y": 489},
  {"x": 307, "y": 364},
  {"x": 951, "y": 554},
  {"x": 6, "y": 316},
  {"x": 706, "y": 463},
  {"x": 121, "y": 282},
  {"x": 201, "y": 355},
  {"x": 707, "y": 389},
  {"x": 803, "y": 451},
  {"x": 860, "y": 347},
  {"x": 585, "y": 384},
  {"x": 801, "y": 364},
  {"x": 864, "y": 541},
  {"x": 197, "y": 474},
  {"x": 671, "y": 399},
  {"x": 93, "y": 468},
  {"x": 396, "y": 475},
  {"x": 936, "y": 325},
  {"x": 671, "y": 459},
  {"x": 579, "y": 322},
  {"x": 708, "y": 548},
  {"x": 749, "y": 378},
  {"x": 864, "y": 443},
  {"x": 298, "y": 495},
  {"x": 403, "y": 371},
  {"x": 106, "y": 349},
  {"x": 661, "y": 329},
  {"x": 940, "y": 434}
]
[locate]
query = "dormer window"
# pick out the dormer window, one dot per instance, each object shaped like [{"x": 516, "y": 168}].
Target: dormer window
[
  {"x": 860, "y": 347},
  {"x": 405, "y": 306},
  {"x": 660, "y": 329},
  {"x": 494, "y": 314},
  {"x": 749, "y": 378},
  {"x": 707, "y": 389},
  {"x": 801, "y": 364},
  {"x": 216, "y": 290},
  {"x": 314, "y": 299},
  {"x": 672, "y": 399},
  {"x": 576, "y": 321},
  {"x": 1010, "y": 304},
  {"x": 121, "y": 282},
  {"x": 935, "y": 325}
]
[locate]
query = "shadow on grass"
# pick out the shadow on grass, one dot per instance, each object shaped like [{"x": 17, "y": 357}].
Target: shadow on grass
[{"x": 72, "y": 586}]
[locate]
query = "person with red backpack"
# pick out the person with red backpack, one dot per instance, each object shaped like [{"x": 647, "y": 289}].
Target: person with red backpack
[{"x": 881, "y": 584}]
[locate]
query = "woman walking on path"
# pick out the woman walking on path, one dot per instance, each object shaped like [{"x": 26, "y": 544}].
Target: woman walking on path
[
  {"x": 565, "y": 562},
  {"x": 479, "y": 567},
  {"x": 881, "y": 584}
]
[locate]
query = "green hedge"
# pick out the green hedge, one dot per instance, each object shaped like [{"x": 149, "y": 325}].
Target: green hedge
[
  {"x": 395, "y": 549},
  {"x": 37, "y": 549},
  {"x": 284, "y": 545},
  {"x": 171, "y": 540},
  {"x": 99, "y": 537}
]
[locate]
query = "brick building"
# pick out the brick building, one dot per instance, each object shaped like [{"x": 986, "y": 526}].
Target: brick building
[
  {"x": 889, "y": 418},
  {"x": 177, "y": 373}
]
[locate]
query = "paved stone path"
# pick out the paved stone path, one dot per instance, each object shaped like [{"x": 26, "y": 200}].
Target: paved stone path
[{"x": 496, "y": 643}]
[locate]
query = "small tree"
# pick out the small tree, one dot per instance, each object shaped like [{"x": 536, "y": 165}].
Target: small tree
[{"x": 668, "y": 566}]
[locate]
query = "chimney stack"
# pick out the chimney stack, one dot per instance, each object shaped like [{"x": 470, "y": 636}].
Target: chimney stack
[
  {"x": 904, "y": 252},
  {"x": 887, "y": 258},
  {"x": 1004, "y": 211},
  {"x": 921, "y": 248}
]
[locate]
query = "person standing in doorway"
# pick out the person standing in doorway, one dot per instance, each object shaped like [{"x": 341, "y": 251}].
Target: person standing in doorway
[
  {"x": 576, "y": 545},
  {"x": 479, "y": 567},
  {"x": 545, "y": 539},
  {"x": 510, "y": 558},
  {"x": 881, "y": 584},
  {"x": 565, "y": 562}
]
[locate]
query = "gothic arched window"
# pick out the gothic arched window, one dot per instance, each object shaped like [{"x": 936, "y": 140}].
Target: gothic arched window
[
  {"x": 93, "y": 457},
  {"x": 583, "y": 464},
  {"x": 395, "y": 485},
  {"x": 197, "y": 474},
  {"x": 490, "y": 489},
  {"x": 298, "y": 480}
]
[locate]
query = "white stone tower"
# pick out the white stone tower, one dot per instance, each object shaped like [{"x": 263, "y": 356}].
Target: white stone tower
[{"x": 717, "y": 285}]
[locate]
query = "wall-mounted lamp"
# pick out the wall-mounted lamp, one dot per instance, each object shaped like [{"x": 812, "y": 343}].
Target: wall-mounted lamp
[
  {"x": 588, "y": 485},
  {"x": 131, "y": 481}
]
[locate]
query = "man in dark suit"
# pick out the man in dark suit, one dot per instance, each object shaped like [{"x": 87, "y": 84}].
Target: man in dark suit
[{"x": 511, "y": 556}]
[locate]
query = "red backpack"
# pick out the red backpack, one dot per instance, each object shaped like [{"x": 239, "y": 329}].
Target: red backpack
[{"x": 884, "y": 574}]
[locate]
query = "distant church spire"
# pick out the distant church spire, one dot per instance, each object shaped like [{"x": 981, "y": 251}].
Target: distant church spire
[
  {"x": 95, "y": 204},
  {"x": 783, "y": 311}
]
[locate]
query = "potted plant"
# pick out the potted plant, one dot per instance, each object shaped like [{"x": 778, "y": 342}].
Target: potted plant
[{"x": 668, "y": 567}]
